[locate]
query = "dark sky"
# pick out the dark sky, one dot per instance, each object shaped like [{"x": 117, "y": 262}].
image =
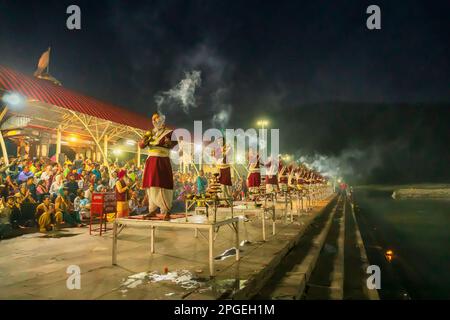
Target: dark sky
[{"x": 376, "y": 103}]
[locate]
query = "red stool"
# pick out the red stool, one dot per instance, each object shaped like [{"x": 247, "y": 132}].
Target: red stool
[{"x": 103, "y": 203}]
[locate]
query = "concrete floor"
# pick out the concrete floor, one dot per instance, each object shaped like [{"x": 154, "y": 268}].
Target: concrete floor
[{"x": 34, "y": 266}]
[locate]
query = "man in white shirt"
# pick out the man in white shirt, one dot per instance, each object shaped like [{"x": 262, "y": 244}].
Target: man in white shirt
[{"x": 88, "y": 193}]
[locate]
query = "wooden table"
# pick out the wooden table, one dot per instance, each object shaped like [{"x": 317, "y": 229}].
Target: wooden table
[
  {"x": 210, "y": 226},
  {"x": 287, "y": 202},
  {"x": 263, "y": 210}
]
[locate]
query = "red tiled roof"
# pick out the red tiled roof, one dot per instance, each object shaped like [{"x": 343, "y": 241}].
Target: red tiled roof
[{"x": 45, "y": 91}]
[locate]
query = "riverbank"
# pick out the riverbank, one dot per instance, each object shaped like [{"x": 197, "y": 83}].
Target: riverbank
[
  {"x": 378, "y": 187},
  {"x": 412, "y": 191},
  {"x": 415, "y": 193}
]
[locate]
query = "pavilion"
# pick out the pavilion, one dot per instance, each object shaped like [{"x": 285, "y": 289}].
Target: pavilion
[{"x": 46, "y": 114}]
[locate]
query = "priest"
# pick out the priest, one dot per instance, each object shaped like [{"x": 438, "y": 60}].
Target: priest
[
  {"x": 158, "y": 176},
  {"x": 254, "y": 172}
]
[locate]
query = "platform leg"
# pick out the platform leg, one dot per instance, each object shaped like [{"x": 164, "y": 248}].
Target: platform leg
[
  {"x": 263, "y": 215},
  {"x": 90, "y": 223},
  {"x": 237, "y": 241},
  {"x": 299, "y": 211},
  {"x": 152, "y": 239},
  {"x": 114, "y": 248},
  {"x": 292, "y": 213},
  {"x": 285, "y": 208},
  {"x": 232, "y": 212},
  {"x": 106, "y": 221},
  {"x": 211, "y": 251}
]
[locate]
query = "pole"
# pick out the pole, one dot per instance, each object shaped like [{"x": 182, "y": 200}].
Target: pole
[
  {"x": 105, "y": 150},
  {"x": 58, "y": 143},
  {"x": 138, "y": 155},
  {"x": 2, "y": 141}
]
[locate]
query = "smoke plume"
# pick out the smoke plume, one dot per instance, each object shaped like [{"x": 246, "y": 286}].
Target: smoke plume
[{"x": 182, "y": 95}]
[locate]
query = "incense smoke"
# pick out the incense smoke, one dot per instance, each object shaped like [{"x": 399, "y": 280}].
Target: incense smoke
[
  {"x": 182, "y": 95},
  {"x": 222, "y": 109},
  {"x": 216, "y": 79},
  {"x": 207, "y": 85},
  {"x": 351, "y": 163}
]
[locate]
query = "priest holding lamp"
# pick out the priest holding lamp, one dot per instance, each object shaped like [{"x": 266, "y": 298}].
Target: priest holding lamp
[
  {"x": 158, "y": 177},
  {"x": 222, "y": 155}
]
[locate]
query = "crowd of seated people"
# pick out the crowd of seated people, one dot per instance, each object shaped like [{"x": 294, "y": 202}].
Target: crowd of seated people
[{"x": 43, "y": 194}]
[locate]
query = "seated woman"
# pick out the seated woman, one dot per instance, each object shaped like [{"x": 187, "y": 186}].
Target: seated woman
[
  {"x": 81, "y": 205},
  {"x": 46, "y": 216},
  {"x": 136, "y": 205},
  {"x": 27, "y": 205},
  {"x": 63, "y": 208},
  {"x": 5, "y": 217},
  {"x": 41, "y": 190},
  {"x": 56, "y": 185}
]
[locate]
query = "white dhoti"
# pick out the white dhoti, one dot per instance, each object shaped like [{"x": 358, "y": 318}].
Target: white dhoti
[{"x": 159, "y": 198}]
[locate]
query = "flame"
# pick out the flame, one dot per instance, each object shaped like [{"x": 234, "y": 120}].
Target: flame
[{"x": 389, "y": 255}]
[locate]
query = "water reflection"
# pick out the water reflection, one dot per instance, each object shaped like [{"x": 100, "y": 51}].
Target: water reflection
[{"x": 413, "y": 236}]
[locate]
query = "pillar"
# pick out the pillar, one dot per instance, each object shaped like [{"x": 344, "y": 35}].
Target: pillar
[
  {"x": 138, "y": 155},
  {"x": 58, "y": 143},
  {"x": 2, "y": 141},
  {"x": 105, "y": 149},
  {"x": 88, "y": 153},
  {"x": 5, "y": 153},
  {"x": 44, "y": 150}
]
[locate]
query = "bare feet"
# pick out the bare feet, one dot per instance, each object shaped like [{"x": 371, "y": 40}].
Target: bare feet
[
  {"x": 166, "y": 217},
  {"x": 151, "y": 214}
]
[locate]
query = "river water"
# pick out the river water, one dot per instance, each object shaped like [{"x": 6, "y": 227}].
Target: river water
[{"x": 417, "y": 232}]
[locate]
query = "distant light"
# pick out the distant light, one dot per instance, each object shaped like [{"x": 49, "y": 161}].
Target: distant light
[
  {"x": 13, "y": 99},
  {"x": 239, "y": 158},
  {"x": 11, "y": 133},
  {"x": 117, "y": 152},
  {"x": 130, "y": 142},
  {"x": 263, "y": 123},
  {"x": 73, "y": 138},
  {"x": 389, "y": 255}
]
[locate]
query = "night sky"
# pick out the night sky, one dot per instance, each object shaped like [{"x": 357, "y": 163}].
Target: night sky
[{"x": 375, "y": 103}]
